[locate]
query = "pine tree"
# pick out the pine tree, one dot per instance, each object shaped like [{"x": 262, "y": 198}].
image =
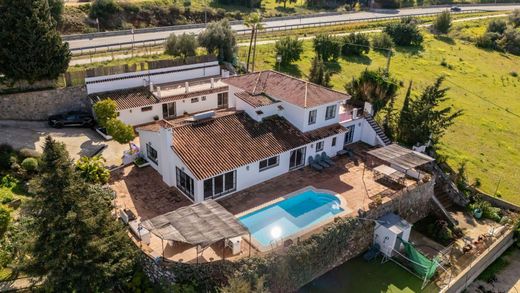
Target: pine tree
[
  {"x": 31, "y": 47},
  {"x": 78, "y": 245},
  {"x": 319, "y": 73}
]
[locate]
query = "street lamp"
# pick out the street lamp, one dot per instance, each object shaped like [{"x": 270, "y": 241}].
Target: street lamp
[
  {"x": 133, "y": 42},
  {"x": 279, "y": 61}
]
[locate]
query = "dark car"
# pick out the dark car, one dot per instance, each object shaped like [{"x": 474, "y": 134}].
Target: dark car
[
  {"x": 73, "y": 118},
  {"x": 455, "y": 8}
]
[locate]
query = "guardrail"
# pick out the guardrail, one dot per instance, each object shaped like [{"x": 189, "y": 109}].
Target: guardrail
[{"x": 159, "y": 41}]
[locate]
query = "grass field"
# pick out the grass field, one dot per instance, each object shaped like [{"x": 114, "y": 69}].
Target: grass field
[{"x": 481, "y": 83}]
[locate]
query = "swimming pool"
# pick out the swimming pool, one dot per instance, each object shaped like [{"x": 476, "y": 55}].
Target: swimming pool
[{"x": 290, "y": 216}]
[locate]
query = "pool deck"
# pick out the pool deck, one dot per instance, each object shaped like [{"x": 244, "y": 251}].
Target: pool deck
[{"x": 143, "y": 192}]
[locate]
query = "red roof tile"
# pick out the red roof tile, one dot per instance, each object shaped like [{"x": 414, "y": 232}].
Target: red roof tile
[
  {"x": 287, "y": 88},
  {"x": 127, "y": 98},
  {"x": 255, "y": 100}
]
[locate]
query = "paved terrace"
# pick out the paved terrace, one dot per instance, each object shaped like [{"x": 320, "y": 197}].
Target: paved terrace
[{"x": 143, "y": 192}]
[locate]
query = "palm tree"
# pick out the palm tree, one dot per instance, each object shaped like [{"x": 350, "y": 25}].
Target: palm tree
[{"x": 253, "y": 21}]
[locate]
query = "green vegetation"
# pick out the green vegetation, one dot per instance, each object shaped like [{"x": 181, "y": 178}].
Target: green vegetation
[
  {"x": 289, "y": 49},
  {"x": 41, "y": 55},
  {"x": 93, "y": 169},
  {"x": 382, "y": 41},
  {"x": 319, "y": 74},
  {"x": 486, "y": 135},
  {"x": 105, "y": 110},
  {"x": 442, "y": 24},
  {"x": 327, "y": 47},
  {"x": 355, "y": 44},
  {"x": 489, "y": 274},
  {"x": 120, "y": 132},
  {"x": 254, "y": 22},
  {"x": 405, "y": 33},
  {"x": 185, "y": 45},
  {"x": 218, "y": 38},
  {"x": 375, "y": 87}
]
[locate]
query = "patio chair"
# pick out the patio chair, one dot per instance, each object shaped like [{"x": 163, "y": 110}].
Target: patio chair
[
  {"x": 320, "y": 162},
  {"x": 314, "y": 165},
  {"x": 326, "y": 159}
]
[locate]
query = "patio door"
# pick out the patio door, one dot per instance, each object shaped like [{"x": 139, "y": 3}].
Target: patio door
[
  {"x": 297, "y": 158},
  {"x": 168, "y": 110},
  {"x": 349, "y": 135}
]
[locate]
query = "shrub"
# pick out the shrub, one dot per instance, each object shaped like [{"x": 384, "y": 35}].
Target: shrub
[
  {"x": 488, "y": 211},
  {"x": 169, "y": 46},
  {"x": 382, "y": 41},
  {"x": 327, "y": 47},
  {"x": 405, "y": 32},
  {"x": 497, "y": 26},
  {"x": 30, "y": 164},
  {"x": 93, "y": 169},
  {"x": 355, "y": 44},
  {"x": 319, "y": 73},
  {"x": 105, "y": 110},
  {"x": 442, "y": 23},
  {"x": 389, "y": 4},
  {"x": 510, "y": 41},
  {"x": 103, "y": 9},
  {"x": 373, "y": 86},
  {"x": 407, "y": 3},
  {"x": 289, "y": 49},
  {"x": 487, "y": 40},
  {"x": 120, "y": 132},
  {"x": 185, "y": 45},
  {"x": 6, "y": 152},
  {"x": 5, "y": 219},
  {"x": 219, "y": 37},
  {"x": 6, "y": 196},
  {"x": 514, "y": 18},
  {"x": 8, "y": 181}
]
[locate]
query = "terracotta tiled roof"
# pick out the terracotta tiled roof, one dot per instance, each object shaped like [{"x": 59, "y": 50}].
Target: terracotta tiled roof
[
  {"x": 127, "y": 98},
  {"x": 255, "y": 101},
  {"x": 155, "y": 126},
  {"x": 226, "y": 143},
  {"x": 287, "y": 88}
]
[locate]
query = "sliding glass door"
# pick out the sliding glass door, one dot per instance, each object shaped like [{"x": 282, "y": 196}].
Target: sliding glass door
[
  {"x": 297, "y": 158},
  {"x": 220, "y": 185},
  {"x": 168, "y": 110}
]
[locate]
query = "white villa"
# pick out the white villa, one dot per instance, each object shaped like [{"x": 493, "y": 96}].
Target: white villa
[{"x": 210, "y": 134}]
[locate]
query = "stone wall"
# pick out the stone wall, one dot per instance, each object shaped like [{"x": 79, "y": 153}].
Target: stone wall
[{"x": 38, "y": 105}]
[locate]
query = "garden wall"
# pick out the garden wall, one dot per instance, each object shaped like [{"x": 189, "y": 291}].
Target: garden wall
[
  {"x": 38, "y": 105},
  {"x": 304, "y": 261}
]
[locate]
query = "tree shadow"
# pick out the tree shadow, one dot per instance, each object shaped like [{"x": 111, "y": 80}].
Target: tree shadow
[
  {"x": 359, "y": 59},
  {"x": 291, "y": 69},
  {"x": 445, "y": 39},
  {"x": 410, "y": 50},
  {"x": 333, "y": 66},
  {"x": 285, "y": 9}
]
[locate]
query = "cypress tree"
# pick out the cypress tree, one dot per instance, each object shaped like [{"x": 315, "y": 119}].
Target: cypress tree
[
  {"x": 30, "y": 46},
  {"x": 78, "y": 245},
  {"x": 319, "y": 74}
]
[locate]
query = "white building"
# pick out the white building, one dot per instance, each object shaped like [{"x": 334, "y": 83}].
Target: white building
[{"x": 259, "y": 125}]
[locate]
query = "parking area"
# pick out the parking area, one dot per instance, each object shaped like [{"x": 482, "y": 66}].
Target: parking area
[{"x": 78, "y": 141}]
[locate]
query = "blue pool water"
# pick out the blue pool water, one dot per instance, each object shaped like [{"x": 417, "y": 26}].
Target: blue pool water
[{"x": 289, "y": 216}]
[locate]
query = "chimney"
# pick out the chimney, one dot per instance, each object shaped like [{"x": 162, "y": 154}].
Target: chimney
[
  {"x": 151, "y": 86},
  {"x": 187, "y": 87},
  {"x": 212, "y": 82},
  {"x": 159, "y": 92}
]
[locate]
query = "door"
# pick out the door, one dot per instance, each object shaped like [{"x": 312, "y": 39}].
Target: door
[
  {"x": 349, "y": 135},
  {"x": 297, "y": 158},
  {"x": 168, "y": 110}
]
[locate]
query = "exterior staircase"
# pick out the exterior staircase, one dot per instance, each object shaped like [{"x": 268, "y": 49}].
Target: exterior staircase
[
  {"x": 379, "y": 131},
  {"x": 442, "y": 196}
]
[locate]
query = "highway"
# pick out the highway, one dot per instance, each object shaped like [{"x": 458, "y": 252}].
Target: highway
[{"x": 89, "y": 41}]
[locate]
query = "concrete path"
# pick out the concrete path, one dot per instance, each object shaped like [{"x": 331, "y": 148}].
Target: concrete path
[
  {"x": 507, "y": 280},
  {"x": 79, "y": 141},
  {"x": 140, "y": 37},
  {"x": 88, "y": 60}
]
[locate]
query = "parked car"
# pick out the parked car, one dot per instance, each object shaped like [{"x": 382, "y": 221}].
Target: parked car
[
  {"x": 73, "y": 118},
  {"x": 455, "y": 9}
]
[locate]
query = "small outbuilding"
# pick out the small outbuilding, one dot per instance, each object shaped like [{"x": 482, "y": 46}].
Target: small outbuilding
[{"x": 389, "y": 231}]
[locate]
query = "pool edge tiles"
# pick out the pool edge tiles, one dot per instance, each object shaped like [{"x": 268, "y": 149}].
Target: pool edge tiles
[{"x": 287, "y": 218}]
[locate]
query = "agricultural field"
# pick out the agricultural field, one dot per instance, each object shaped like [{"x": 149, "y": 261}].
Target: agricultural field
[{"x": 484, "y": 84}]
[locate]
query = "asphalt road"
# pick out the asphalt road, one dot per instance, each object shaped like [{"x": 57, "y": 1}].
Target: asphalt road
[{"x": 138, "y": 37}]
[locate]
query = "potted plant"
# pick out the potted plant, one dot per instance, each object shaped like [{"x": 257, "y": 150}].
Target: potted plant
[{"x": 140, "y": 162}]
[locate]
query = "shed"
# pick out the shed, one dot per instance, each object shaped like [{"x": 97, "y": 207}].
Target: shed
[{"x": 389, "y": 228}]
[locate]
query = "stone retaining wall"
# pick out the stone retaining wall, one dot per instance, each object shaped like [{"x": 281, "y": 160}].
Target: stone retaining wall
[{"x": 38, "y": 105}]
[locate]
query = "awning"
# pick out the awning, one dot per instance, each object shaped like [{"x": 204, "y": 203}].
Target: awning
[
  {"x": 198, "y": 224},
  {"x": 399, "y": 156}
]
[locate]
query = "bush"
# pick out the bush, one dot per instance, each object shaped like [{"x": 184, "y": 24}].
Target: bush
[
  {"x": 169, "y": 46},
  {"x": 319, "y": 73},
  {"x": 103, "y": 9},
  {"x": 219, "y": 37},
  {"x": 389, "y": 4},
  {"x": 382, "y": 41},
  {"x": 487, "y": 41},
  {"x": 510, "y": 41},
  {"x": 327, "y": 47},
  {"x": 514, "y": 18},
  {"x": 355, "y": 44},
  {"x": 93, "y": 169},
  {"x": 30, "y": 164},
  {"x": 488, "y": 211},
  {"x": 8, "y": 181},
  {"x": 5, "y": 219},
  {"x": 289, "y": 49},
  {"x": 6, "y": 196},
  {"x": 497, "y": 26},
  {"x": 442, "y": 23},
  {"x": 186, "y": 45},
  {"x": 405, "y": 32},
  {"x": 104, "y": 111},
  {"x": 6, "y": 152},
  {"x": 120, "y": 132}
]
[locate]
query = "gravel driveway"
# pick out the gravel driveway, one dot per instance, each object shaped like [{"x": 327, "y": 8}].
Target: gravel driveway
[{"x": 79, "y": 141}]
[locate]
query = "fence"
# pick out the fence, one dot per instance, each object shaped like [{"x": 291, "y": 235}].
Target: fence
[{"x": 158, "y": 41}]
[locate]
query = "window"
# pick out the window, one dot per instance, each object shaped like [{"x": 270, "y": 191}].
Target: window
[
  {"x": 334, "y": 141},
  {"x": 222, "y": 100},
  {"x": 268, "y": 163},
  {"x": 194, "y": 100},
  {"x": 151, "y": 153},
  {"x": 319, "y": 146},
  {"x": 203, "y": 98},
  {"x": 184, "y": 182},
  {"x": 349, "y": 135},
  {"x": 220, "y": 185},
  {"x": 168, "y": 110},
  {"x": 312, "y": 116},
  {"x": 330, "y": 112},
  {"x": 145, "y": 109},
  {"x": 297, "y": 158}
]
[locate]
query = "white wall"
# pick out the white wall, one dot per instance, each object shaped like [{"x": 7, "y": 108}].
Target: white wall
[
  {"x": 369, "y": 135},
  {"x": 156, "y": 76},
  {"x": 293, "y": 114},
  {"x": 267, "y": 110},
  {"x": 320, "y": 117},
  {"x": 358, "y": 128},
  {"x": 185, "y": 105},
  {"x": 135, "y": 116}
]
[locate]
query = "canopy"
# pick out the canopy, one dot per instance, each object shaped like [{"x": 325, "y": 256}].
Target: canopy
[
  {"x": 198, "y": 224},
  {"x": 400, "y": 156}
]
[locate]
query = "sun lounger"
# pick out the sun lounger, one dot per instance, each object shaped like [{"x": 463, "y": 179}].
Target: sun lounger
[
  {"x": 319, "y": 161},
  {"x": 314, "y": 165},
  {"x": 326, "y": 159}
]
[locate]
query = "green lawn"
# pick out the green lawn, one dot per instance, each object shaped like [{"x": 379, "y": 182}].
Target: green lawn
[{"x": 487, "y": 136}]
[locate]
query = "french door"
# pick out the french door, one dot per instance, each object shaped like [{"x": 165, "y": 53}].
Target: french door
[
  {"x": 297, "y": 158},
  {"x": 168, "y": 110}
]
